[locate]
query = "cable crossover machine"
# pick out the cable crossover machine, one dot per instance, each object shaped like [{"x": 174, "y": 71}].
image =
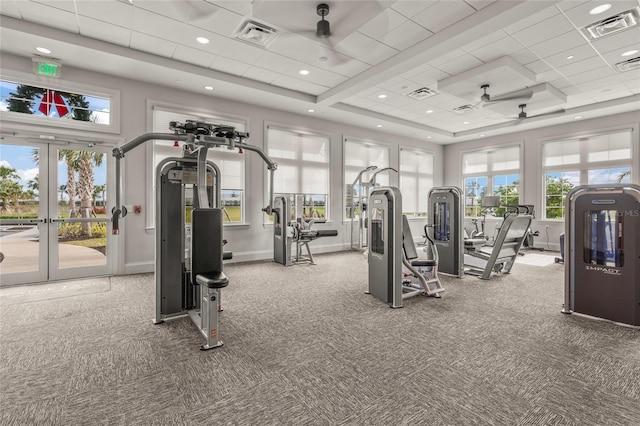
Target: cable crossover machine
[{"x": 189, "y": 242}]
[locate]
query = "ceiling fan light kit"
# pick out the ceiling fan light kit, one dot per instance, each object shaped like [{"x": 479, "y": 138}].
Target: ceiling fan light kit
[{"x": 323, "y": 28}]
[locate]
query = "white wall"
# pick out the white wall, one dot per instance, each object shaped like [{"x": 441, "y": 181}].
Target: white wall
[
  {"x": 248, "y": 242},
  {"x": 532, "y": 179}
]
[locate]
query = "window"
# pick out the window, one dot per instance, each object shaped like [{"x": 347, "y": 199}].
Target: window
[
  {"x": 598, "y": 159},
  {"x": 358, "y": 155},
  {"x": 416, "y": 179},
  {"x": 63, "y": 106},
  {"x": 303, "y": 168},
  {"x": 491, "y": 172},
  {"x": 231, "y": 163}
]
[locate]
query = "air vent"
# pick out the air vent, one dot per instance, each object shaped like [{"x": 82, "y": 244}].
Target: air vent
[
  {"x": 257, "y": 34},
  {"x": 464, "y": 108},
  {"x": 613, "y": 24},
  {"x": 422, "y": 93},
  {"x": 629, "y": 64}
]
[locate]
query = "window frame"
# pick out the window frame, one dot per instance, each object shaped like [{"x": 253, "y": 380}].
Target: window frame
[
  {"x": 418, "y": 174},
  {"x": 299, "y": 163},
  {"x": 207, "y": 116},
  {"x": 582, "y": 167},
  {"x": 352, "y": 139},
  {"x": 490, "y": 174},
  {"x": 66, "y": 86}
]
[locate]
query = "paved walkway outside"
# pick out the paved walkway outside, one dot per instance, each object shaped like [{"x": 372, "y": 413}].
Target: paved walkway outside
[{"x": 21, "y": 250}]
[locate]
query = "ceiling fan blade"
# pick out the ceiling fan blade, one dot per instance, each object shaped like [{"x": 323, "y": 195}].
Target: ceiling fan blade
[
  {"x": 519, "y": 98},
  {"x": 557, "y": 112}
]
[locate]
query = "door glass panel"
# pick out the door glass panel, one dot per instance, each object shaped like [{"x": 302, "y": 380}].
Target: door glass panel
[
  {"x": 19, "y": 200},
  {"x": 81, "y": 192}
]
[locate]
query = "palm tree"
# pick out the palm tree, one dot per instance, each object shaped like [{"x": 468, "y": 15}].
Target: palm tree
[
  {"x": 70, "y": 157},
  {"x": 99, "y": 190},
  {"x": 85, "y": 163},
  {"x": 33, "y": 185},
  {"x": 61, "y": 190},
  {"x": 623, "y": 175}
]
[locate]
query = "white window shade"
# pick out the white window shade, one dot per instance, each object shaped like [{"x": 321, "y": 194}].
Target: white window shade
[
  {"x": 409, "y": 187},
  {"x": 475, "y": 162},
  {"x": 303, "y": 161},
  {"x": 616, "y": 146},
  {"x": 561, "y": 153},
  {"x": 416, "y": 179},
  {"x": 505, "y": 159}
]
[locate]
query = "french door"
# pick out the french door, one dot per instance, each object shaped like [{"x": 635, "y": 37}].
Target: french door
[{"x": 54, "y": 220}]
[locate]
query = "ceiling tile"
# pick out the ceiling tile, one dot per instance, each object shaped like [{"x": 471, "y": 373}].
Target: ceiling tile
[
  {"x": 49, "y": 16},
  {"x": 606, "y": 96},
  {"x": 217, "y": 20},
  {"x": 241, "y": 7},
  {"x": 411, "y": 8},
  {"x": 547, "y": 76},
  {"x": 503, "y": 47},
  {"x": 151, "y": 44},
  {"x": 460, "y": 64},
  {"x": 405, "y": 35},
  {"x": 615, "y": 56},
  {"x": 570, "y": 4},
  {"x": 579, "y": 67},
  {"x": 178, "y": 11},
  {"x": 67, "y": 5},
  {"x": 579, "y": 53},
  {"x": 366, "y": 49},
  {"x": 193, "y": 56},
  {"x": 298, "y": 85},
  {"x": 534, "y": 19},
  {"x": 276, "y": 62},
  {"x": 220, "y": 45},
  {"x": 566, "y": 41},
  {"x": 10, "y": 8},
  {"x": 548, "y": 29},
  {"x": 100, "y": 30},
  {"x": 485, "y": 41},
  {"x": 524, "y": 56},
  {"x": 156, "y": 25},
  {"x": 261, "y": 74},
  {"x": 614, "y": 41},
  {"x": 538, "y": 67},
  {"x": 581, "y": 17},
  {"x": 591, "y": 75},
  {"x": 385, "y": 22},
  {"x": 447, "y": 57},
  {"x": 228, "y": 65},
  {"x": 111, "y": 11},
  {"x": 607, "y": 82},
  {"x": 443, "y": 14},
  {"x": 479, "y": 4},
  {"x": 428, "y": 76}
]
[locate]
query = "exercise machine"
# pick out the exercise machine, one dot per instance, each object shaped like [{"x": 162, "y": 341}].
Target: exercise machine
[
  {"x": 391, "y": 247},
  {"x": 189, "y": 223},
  {"x": 561, "y": 258},
  {"x": 445, "y": 223},
  {"x": 357, "y": 202},
  {"x": 289, "y": 228},
  {"x": 602, "y": 249},
  {"x": 501, "y": 255},
  {"x": 420, "y": 276}
]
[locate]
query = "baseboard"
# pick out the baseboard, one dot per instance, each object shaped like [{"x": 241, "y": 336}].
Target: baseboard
[{"x": 139, "y": 268}]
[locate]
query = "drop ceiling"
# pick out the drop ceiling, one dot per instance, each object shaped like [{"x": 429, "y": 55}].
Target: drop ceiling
[{"x": 533, "y": 53}]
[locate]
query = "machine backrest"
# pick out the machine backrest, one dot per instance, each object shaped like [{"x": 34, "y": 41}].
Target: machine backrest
[
  {"x": 407, "y": 240},
  {"x": 206, "y": 241},
  {"x": 512, "y": 233}
]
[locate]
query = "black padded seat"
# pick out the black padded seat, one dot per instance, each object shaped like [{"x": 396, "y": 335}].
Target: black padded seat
[
  {"x": 327, "y": 233},
  {"x": 424, "y": 263},
  {"x": 216, "y": 279}
]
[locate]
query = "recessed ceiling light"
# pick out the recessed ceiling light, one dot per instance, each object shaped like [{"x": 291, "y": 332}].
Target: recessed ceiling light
[
  {"x": 311, "y": 110},
  {"x": 599, "y": 9},
  {"x": 208, "y": 87},
  {"x": 202, "y": 40},
  {"x": 379, "y": 125},
  {"x": 570, "y": 57},
  {"x": 382, "y": 96},
  {"x": 43, "y": 50},
  {"x": 577, "y": 117},
  {"x": 428, "y": 137},
  {"x": 429, "y": 111},
  {"x": 178, "y": 81},
  {"x": 630, "y": 52},
  {"x": 303, "y": 72},
  {"x": 323, "y": 58},
  {"x": 482, "y": 135},
  {"x": 466, "y": 122}
]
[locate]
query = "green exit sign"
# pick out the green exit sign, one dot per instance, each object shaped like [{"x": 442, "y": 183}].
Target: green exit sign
[{"x": 47, "y": 69}]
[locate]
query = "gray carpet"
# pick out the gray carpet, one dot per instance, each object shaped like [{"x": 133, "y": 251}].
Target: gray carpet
[{"x": 304, "y": 345}]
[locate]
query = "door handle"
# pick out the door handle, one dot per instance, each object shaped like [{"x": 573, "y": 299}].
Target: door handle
[{"x": 54, "y": 220}]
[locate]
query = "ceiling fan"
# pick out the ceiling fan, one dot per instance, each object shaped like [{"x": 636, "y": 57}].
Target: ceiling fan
[
  {"x": 323, "y": 28},
  {"x": 522, "y": 115},
  {"x": 485, "y": 98}
]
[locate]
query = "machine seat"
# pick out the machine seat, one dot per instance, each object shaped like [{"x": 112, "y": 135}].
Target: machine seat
[
  {"x": 327, "y": 233},
  {"x": 215, "y": 279},
  {"x": 423, "y": 263}
]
